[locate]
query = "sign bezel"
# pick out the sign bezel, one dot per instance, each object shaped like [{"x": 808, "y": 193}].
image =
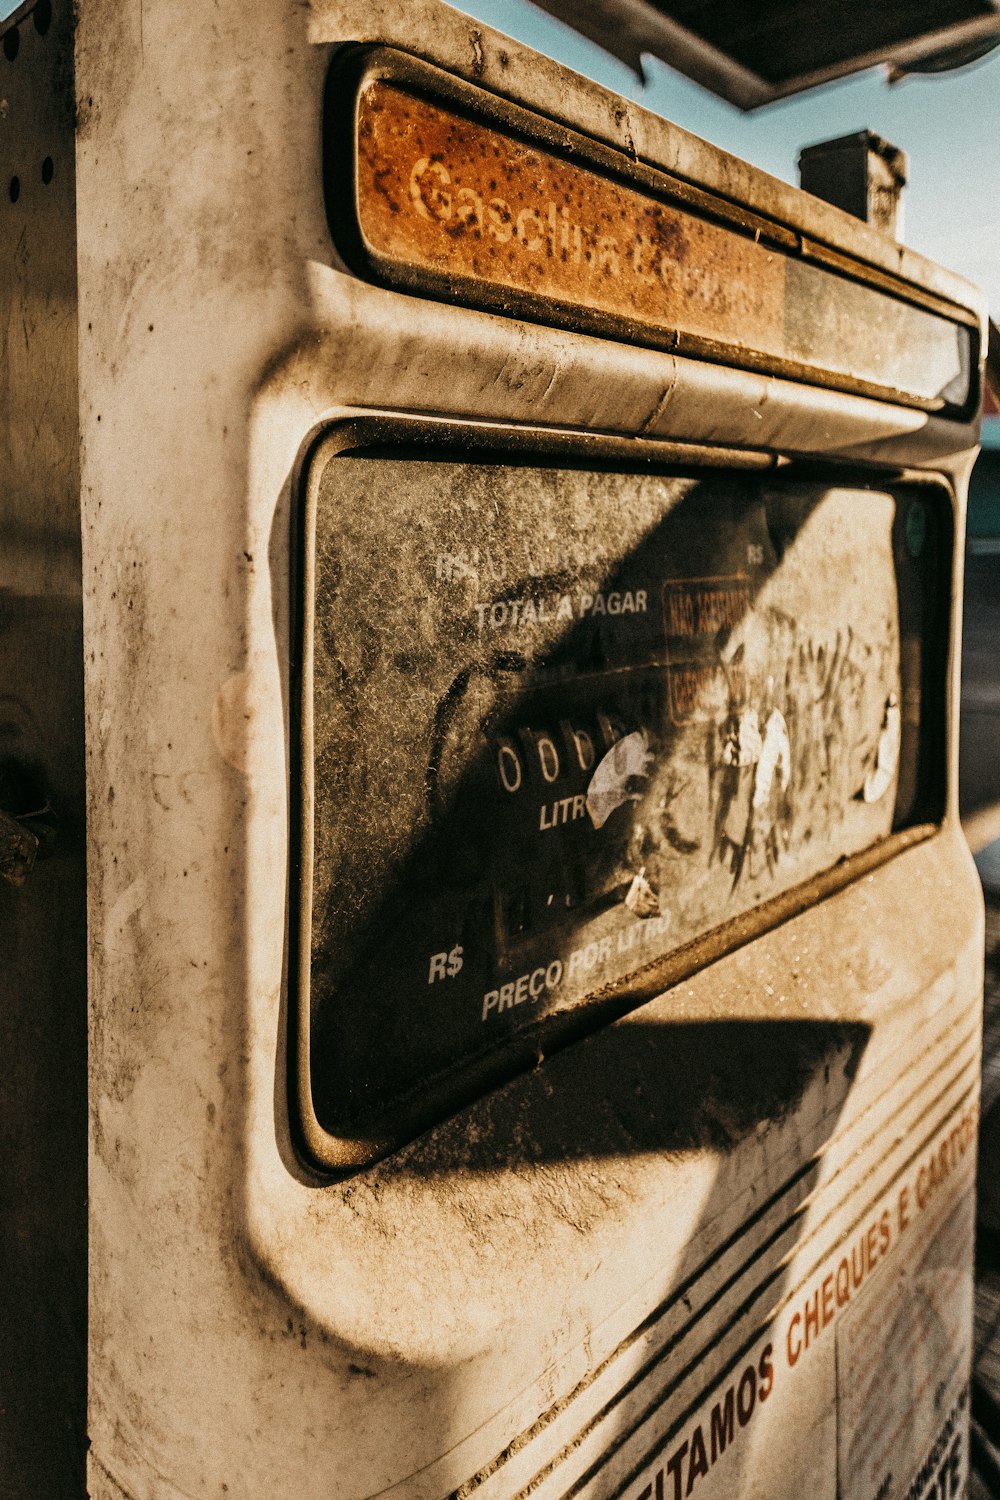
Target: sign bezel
[
  {"x": 355, "y": 67},
  {"x": 336, "y": 1155}
]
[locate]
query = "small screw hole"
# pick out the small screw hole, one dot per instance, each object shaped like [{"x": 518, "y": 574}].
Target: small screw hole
[
  {"x": 48, "y": 170},
  {"x": 15, "y": 189},
  {"x": 11, "y": 44},
  {"x": 42, "y": 16}
]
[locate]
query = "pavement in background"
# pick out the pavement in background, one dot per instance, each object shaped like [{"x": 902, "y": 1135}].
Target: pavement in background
[
  {"x": 979, "y": 800},
  {"x": 985, "y": 1480}
]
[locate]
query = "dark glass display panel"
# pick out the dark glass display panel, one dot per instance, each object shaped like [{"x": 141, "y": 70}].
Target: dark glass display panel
[{"x": 566, "y": 721}]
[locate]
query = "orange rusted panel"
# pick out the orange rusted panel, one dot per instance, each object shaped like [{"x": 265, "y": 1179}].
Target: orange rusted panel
[
  {"x": 454, "y": 202},
  {"x": 450, "y": 194}
]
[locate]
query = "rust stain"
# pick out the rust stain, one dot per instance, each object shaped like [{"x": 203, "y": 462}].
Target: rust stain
[
  {"x": 461, "y": 199},
  {"x": 452, "y": 195}
]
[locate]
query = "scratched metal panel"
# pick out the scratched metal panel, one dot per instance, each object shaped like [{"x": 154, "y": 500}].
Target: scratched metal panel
[
  {"x": 564, "y": 722},
  {"x": 470, "y": 207}
]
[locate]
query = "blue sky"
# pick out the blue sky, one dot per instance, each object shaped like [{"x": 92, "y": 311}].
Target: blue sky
[{"x": 949, "y": 126}]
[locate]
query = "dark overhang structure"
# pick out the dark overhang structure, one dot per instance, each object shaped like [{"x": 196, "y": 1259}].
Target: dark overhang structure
[{"x": 754, "y": 51}]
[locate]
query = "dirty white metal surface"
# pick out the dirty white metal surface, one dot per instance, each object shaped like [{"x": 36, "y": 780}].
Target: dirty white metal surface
[{"x": 573, "y": 1283}]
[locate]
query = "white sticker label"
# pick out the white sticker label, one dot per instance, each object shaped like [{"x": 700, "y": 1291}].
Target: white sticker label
[
  {"x": 614, "y": 781},
  {"x": 879, "y": 779}
]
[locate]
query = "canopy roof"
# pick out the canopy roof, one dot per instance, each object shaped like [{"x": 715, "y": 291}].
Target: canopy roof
[{"x": 751, "y": 53}]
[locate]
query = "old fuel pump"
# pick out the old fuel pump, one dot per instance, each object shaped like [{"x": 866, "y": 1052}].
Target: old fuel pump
[{"x": 501, "y": 559}]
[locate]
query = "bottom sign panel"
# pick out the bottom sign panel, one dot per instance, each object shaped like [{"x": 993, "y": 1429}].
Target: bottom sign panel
[{"x": 859, "y": 1387}]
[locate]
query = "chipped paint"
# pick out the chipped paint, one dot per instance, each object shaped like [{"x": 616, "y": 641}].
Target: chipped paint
[
  {"x": 880, "y": 778},
  {"x": 641, "y": 898},
  {"x": 618, "y": 777}
]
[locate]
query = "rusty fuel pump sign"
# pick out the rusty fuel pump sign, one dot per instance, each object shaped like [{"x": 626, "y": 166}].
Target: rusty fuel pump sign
[
  {"x": 458, "y": 194},
  {"x": 480, "y": 589}
]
